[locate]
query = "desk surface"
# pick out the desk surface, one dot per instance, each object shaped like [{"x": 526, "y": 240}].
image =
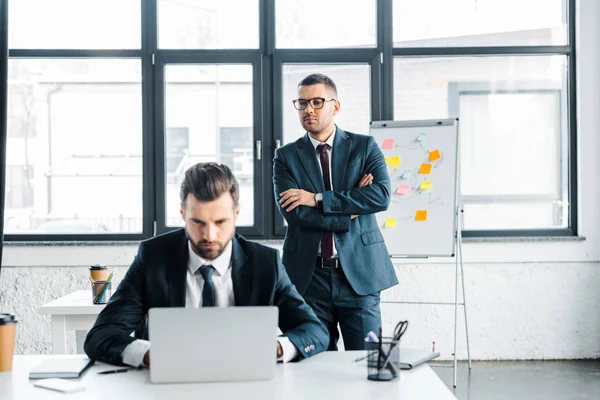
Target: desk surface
[
  {"x": 330, "y": 375},
  {"x": 79, "y": 302}
]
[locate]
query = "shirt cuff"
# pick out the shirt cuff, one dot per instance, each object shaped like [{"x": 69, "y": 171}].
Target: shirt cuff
[
  {"x": 290, "y": 352},
  {"x": 134, "y": 353}
]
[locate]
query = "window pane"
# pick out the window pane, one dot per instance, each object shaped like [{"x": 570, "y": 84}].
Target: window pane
[
  {"x": 208, "y": 24},
  {"x": 209, "y": 117},
  {"x": 442, "y": 23},
  {"x": 74, "y": 24},
  {"x": 66, "y": 174},
  {"x": 513, "y": 132},
  {"x": 354, "y": 93},
  {"x": 325, "y": 24}
]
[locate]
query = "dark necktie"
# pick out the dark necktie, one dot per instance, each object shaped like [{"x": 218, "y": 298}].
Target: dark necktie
[
  {"x": 208, "y": 291},
  {"x": 327, "y": 239}
]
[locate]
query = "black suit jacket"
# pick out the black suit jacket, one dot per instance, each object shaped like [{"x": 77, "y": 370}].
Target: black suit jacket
[{"x": 157, "y": 278}]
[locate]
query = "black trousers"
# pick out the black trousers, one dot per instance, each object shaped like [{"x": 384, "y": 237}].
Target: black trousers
[{"x": 335, "y": 302}]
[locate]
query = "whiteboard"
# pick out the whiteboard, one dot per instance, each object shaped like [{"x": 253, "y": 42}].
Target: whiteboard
[{"x": 422, "y": 160}]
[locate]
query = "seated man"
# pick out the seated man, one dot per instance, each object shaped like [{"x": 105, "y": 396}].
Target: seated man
[{"x": 203, "y": 265}]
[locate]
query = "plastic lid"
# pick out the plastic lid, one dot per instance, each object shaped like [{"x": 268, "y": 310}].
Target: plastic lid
[
  {"x": 98, "y": 266},
  {"x": 6, "y": 319}
]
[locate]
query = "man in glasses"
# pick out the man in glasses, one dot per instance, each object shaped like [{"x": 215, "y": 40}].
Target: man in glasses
[{"x": 328, "y": 186}]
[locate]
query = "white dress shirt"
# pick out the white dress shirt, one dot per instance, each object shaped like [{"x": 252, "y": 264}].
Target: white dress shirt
[
  {"x": 329, "y": 152},
  {"x": 224, "y": 297}
]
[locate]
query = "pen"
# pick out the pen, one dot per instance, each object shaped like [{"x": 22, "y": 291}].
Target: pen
[
  {"x": 113, "y": 371},
  {"x": 379, "y": 352},
  {"x": 369, "y": 354}
]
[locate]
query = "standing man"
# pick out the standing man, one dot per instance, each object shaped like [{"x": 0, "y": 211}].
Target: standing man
[
  {"x": 328, "y": 186},
  {"x": 204, "y": 264}
]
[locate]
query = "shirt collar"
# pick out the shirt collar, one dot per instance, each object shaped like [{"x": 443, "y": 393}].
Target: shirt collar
[
  {"x": 221, "y": 263},
  {"x": 329, "y": 141}
]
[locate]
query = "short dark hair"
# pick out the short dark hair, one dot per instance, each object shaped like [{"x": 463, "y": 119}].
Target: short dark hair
[
  {"x": 208, "y": 181},
  {"x": 315, "y": 79}
]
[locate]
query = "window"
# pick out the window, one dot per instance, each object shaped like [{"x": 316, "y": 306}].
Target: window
[
  {"x": 441, "y": 23},
  {"x": 515, "y": 110},
  {"x": 215, "y": 103},
  {"x": 208, "y": 24},
  {"x": 88, "y": 166},
  {"x": 322, "y": 24},
  {"x": 74, "y": 24},
  {"x": 110, "y": 102}
]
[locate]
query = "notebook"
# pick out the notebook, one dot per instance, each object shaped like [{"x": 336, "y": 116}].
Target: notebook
[
  {"x": 410, "y": 358},
  {"x": 61, "y": 367}
]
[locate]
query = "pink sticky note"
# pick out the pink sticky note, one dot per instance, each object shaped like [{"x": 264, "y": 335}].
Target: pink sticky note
[
  {"x": 388, "y": 144},
  {"x": 402, "y": 189}
]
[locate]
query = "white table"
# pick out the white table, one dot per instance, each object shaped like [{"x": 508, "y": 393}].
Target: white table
[
  {"x": 73, "y": 312},
  {"x": 328, "y": 376}
]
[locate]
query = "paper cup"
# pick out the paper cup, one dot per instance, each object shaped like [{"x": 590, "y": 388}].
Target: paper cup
[{"x": 8, "y": 331}]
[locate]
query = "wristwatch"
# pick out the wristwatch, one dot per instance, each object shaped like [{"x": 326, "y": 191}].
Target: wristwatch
[{"x": 319, "y": 198}]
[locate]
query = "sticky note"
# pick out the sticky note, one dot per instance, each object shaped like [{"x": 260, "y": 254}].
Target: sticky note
[
  {"x": 435, "y": 155},
  {"x": 425, "y": 169},
  {"x": 425, "y": 185},
  {"x": 390, "y": 223},
  {"x": 403, "y": 189},
  {"x": 395, "y": 161},
  {"x": 387, "y": 161},
  {"x": 421, "y": 215},
  {"x": 388, "y": 144},
  {"x": 421, "y": 137},
  {"x": 407, "y": 174}
]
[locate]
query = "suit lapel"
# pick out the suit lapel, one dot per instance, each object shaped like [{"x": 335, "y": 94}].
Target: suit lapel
[
  {"x": 341, "y": 151},
  {"x": 308, "y": 158},
  {"x": 240, "y": 271},
  {"x": 176, "y": 275}
]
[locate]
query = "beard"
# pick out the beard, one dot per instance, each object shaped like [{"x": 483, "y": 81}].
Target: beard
[{"x": 209, "y": 254}]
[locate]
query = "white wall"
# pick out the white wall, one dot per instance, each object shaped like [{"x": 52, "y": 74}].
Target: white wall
[{"x": 528, "y": 300}]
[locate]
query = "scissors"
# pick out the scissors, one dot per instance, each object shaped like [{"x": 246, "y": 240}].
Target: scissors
[{"x": 399, "y": 330}]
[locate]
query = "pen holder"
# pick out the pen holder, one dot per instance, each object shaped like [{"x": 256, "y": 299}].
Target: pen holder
[
  {"x": 384, "y": 366},
  {"x": 97, "y": 288}
]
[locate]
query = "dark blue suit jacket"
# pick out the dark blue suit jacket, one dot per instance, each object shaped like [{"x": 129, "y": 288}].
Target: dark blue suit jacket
[
  {"x": 359, "y": 242},
  {"x": 157, "y": 278}
]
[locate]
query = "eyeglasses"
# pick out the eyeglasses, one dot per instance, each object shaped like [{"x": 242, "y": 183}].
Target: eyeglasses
[{"x": 316, "y": 103}]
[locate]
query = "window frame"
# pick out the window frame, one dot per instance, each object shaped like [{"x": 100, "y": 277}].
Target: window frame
[{"x": 268, "y": 62}]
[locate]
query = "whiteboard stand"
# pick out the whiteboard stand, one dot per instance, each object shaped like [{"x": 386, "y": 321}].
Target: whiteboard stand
[
  {"x": 458, "y": 261},
  {"x": 422, "y": 159}
]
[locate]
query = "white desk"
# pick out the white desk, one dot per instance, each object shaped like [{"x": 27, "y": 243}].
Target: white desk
[
  {"x": 73, "y": 312},
  {"x": 330, "y": 375}
]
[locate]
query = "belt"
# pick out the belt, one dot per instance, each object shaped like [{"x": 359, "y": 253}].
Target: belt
[{"x": 331, "y": 263}]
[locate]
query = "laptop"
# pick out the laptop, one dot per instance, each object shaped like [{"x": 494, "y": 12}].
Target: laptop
[{"x": 212, "y": 344}]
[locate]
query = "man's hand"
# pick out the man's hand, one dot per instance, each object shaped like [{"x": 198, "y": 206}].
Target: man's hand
[
  {"x": 147, "y": 358},
  {"x": 366, "y": 180},
  {"x": 293, "y": 198},
  {"x": 279, "y": 349}
]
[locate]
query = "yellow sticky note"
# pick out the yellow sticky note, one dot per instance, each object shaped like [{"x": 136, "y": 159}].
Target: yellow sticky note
[
  {"x": 421, "y": 215},
  {"x": 435, "y": 155},
  {"x": 387, "y": 161},
  {"x": 425, "y": 169},
  {"x": 425, "y": 185},
  {"x": 395, "y": 161},
  {"x": 390, "y": 223}
]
